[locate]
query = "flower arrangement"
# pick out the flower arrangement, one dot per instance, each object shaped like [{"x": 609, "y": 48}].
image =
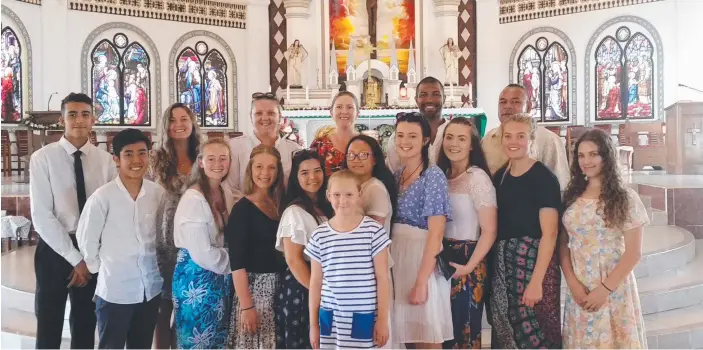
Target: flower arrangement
[
  {"x": 30, "y": 122},
  {"x": 289, "y": 131}
]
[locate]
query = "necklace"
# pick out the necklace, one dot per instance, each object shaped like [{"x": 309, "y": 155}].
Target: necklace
[{"x": 403, "y": 179}]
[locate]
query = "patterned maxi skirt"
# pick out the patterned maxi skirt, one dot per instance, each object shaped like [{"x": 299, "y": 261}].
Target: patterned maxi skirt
[
  {"x": 201, "y": 305},
  {"x": 263, "y": 287},
  {"x": 466, "y": 299},
  {"x": 514, "y": 324},
  {"x": 292, "y": 316}
]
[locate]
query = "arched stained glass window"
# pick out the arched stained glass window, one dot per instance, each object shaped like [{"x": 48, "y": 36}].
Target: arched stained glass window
[
  {"x": 11, "y": 68},
  {"x": 202, "y": 84},
  {"x": 121, "y": 82},
  {"x": 543, "y": 71},
  {"x": 624, "y": 77}
]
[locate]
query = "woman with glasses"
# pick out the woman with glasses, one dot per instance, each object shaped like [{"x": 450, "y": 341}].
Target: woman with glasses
[
  {"x": 266, "y": 117},
  {"x": 344, "y": 111},
  {"x": 421, "y": 313},
  {"x": 304, "y": 208},
  {"x": 470, "y": 236},
  {"x": 171, "y": 164}
]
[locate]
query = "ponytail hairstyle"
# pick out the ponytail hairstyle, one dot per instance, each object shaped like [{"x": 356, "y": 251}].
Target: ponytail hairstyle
[{"x": 417, "y": 118}]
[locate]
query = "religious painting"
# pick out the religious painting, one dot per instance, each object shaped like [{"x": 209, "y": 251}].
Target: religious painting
[
  {"x": 121, "y": 82},
  {"x": 11, "y": 66},
  {"x": 543, "y": 72},
  {"x": 375, "y": 23},
  {"x": 624, "y": 77},
  {"x": 201, "y": 83}
]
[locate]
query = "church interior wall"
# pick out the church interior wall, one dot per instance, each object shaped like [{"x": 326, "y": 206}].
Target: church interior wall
[
  {"x": 496, "y": 42},
  {"x": 25, "y": 12}
]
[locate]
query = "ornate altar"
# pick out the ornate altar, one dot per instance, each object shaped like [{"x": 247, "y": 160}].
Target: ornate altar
[{"x": 684, "y": 151}]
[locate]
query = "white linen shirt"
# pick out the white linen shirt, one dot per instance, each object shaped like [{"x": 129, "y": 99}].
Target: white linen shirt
[
  {"x": 117, "y": 236},
  {"x": 240, "y": 149},
  {"x": 194, "y": 229},
  {"x": 53, "y": 195},
  {"x": 393, "y": 160}
]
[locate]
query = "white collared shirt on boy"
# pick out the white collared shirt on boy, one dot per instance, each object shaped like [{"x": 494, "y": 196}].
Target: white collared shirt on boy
[
  {"x": 117, "y": 236},
  {"x": 52, "y": 190}
]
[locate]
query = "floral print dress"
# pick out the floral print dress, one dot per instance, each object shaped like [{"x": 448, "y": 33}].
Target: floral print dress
[
  {"x": 595, "y": 250},
  {"x": 333, "y": 157}
]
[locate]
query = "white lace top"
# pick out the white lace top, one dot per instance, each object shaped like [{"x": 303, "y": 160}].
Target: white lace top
[
  {"x": 296, "y": 224},
  {"x": 468, "y": 193}
]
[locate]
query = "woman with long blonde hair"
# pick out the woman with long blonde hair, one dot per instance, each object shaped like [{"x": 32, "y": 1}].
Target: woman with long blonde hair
[
  {"x": 525, "y": 272},
  {"x": 255, "y": 263},
  {"x": 171, "y": 162},
  {"x": 201, "y": 287}
]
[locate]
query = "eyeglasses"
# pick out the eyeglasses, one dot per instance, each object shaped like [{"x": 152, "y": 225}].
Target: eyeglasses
[
  {"x": 359, "y": 156},
  {"x": 263, "y": 96}
]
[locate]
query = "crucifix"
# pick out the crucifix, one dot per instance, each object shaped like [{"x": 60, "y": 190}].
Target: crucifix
[
  {"x": 371, "y": 86},
  {"x": 693, "y": 131}
]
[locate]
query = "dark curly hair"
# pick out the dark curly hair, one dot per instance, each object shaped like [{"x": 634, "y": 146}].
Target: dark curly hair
[
  {"x": 613, "y": 203},
  {"x": 295, "y": 195}
]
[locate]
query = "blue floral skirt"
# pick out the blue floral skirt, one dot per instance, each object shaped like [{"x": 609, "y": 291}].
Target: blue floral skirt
[{"x": 201, "y": 303}]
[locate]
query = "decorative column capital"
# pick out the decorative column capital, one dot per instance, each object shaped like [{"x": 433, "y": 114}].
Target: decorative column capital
[
  {"x": 297, "y": 8},
  {"x": 446, "y": 8}
]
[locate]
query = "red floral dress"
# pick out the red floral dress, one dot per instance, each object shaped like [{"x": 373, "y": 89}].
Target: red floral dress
[{"x": 333, "y": 157}]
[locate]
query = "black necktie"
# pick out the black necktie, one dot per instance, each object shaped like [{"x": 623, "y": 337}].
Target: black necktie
[{"x": 80, "y": 180}]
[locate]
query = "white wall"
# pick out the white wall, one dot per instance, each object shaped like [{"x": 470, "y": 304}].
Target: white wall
[
  {"x": 690, "y": 48},
  {"x": 58, "y": 35},
  {"x": 496, "y": 42}
]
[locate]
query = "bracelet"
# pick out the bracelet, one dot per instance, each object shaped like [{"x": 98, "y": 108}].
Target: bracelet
[
  {"x": 249, "y": 308},
  {"x": 606, "y": 287}
]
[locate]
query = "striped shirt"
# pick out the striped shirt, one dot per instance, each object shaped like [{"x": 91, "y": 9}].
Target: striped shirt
[{"x": 348, "y": 305}]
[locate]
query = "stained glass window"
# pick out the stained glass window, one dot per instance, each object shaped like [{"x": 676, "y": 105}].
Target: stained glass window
[
  {"x": 624, "y": 77},
  {"x": 121, "y": 82},
  {"x": 11, "y": 67},
  {"x": 201, "y": 83},
  {"x": 544, "y": 73}
]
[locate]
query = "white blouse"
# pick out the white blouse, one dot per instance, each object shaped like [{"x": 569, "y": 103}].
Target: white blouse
[
  {"x": 194, "y": 229},
  {"x": 469, "y": 193},
  {"x": 377, "y": 201},
  {"x": 296, "y": 224}
]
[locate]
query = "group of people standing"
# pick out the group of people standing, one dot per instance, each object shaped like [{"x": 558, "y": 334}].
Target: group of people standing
[{"x": 257, "y": 243}]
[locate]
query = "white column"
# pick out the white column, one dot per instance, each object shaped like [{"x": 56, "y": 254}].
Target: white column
[
  {"x": 255, "y": 65},
  {"x": 393, "y": 92},
  {"x": 447, "y": 23},
  {"x": 298, "y": 27}
]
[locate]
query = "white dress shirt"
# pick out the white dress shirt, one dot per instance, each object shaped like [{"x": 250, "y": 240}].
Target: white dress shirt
[
  {"x": 240, "y": 148},
  {"x": 393, "y": 160},
  {"x": 53, "y": 195},
  {"x": 117, "y": 236},
  {"x": 194, "y": 229}
]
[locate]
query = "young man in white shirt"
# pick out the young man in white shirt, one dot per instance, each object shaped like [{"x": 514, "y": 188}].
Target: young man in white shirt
[
  {"x": 266, "y": 117},
  {"x": 117, "y": 236},
  {"x": 62, "y": 176},
  {"x": 429, "y": 97}
]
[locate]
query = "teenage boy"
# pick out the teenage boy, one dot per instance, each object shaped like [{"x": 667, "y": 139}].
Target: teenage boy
[
  {"x": 117, "y": 234},
  {"x": 62, "y": 175}
]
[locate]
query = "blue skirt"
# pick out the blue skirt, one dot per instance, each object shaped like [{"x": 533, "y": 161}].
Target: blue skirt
[{"x": 201, "y": 303}]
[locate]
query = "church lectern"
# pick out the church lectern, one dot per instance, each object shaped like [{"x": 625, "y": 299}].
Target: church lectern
[
  {"x": 37, "y": 136},
  {"x": 684, "y": 123}
]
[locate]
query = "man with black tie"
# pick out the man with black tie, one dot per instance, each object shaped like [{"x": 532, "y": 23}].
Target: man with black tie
[{"x": 62, "y": 176}]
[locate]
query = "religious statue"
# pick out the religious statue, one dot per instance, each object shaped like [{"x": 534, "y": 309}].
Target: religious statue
[
  {"x": 372, "y": 95},
  {"x": 450, "y": 55},
  {"x": 295, "y": 55}
]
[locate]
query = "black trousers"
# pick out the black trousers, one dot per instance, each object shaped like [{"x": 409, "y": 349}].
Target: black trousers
[
  {"x": 52, "y": 272},
  {"x": 126, "y": 324}
]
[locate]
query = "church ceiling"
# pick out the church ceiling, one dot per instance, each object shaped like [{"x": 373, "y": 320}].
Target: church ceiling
[
  {"x": 208, "y": 12},
  {"x": 524, "y": 10}
]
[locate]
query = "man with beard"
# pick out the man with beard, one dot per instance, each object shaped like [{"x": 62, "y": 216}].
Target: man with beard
[
  {"x": 546, "y": 148},
  {"x": 429, "y": 97}
]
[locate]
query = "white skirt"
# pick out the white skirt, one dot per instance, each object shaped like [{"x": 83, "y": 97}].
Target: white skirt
[{"x": 430, "y": 322}]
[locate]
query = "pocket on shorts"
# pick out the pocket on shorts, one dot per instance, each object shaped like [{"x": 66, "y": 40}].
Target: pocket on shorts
[
  {"x": 362, "y": 325},
  {"x": 326, "y": 317}
]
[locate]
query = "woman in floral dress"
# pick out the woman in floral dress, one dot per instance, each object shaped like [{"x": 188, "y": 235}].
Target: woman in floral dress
[
  {"x": 171, "y": 164},
  {"x": 604, "y": 222},
  {"x": 331, "y": 146}
]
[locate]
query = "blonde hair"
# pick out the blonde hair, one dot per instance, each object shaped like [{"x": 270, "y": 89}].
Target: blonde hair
[
  {"x": 277, "y": 188},
  {"x": 522, "y": 118},
  {"x": 343, "y": 175},
  {"x": 164, "y": 159},
  {"x": 198, "y": 176}
]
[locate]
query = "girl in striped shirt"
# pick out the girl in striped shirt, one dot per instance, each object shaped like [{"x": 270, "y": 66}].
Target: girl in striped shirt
[{"x": 349, "y": 283}]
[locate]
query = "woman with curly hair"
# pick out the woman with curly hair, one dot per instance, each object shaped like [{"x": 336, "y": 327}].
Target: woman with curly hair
[
  {"x": 604, "y": 222},
  {"x": 171, "y": 163}
]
